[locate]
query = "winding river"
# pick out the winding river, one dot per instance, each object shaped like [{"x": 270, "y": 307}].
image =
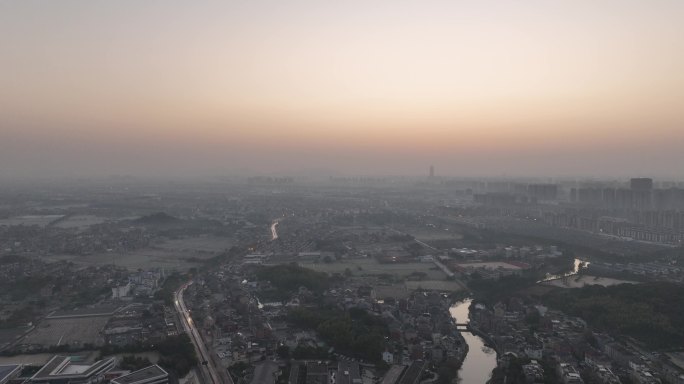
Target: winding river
[
  {"x": 480, "y": 360},
  {"x": 577, "y": 265}
]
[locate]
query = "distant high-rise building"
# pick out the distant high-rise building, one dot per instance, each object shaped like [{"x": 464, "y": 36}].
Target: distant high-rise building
[
  {"x": 432, "y": 171},
  {"x": 642, "y": 193},
  {"x": 641, "y": 184},
  {"x": 543, "y": 191}
]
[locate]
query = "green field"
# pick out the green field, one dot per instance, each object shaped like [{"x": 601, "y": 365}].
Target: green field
[{"x": 370, "y": 267}]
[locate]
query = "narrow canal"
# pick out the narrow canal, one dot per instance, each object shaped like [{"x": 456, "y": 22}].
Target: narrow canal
[{"x": 480, "y": 360}]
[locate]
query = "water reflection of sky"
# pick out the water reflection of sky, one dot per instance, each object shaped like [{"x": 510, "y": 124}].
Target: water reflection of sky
[
  {"x": 480, "y": 360},
  {"x": 578, "y": 264}
]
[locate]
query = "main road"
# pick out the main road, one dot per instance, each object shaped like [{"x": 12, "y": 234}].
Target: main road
[{"x": 207, "y": 367}]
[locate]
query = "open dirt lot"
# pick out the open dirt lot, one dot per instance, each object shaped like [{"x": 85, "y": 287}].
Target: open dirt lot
[
  {"x": 435, "y": 279},
  {"x": 490, "y": 265},
  {"x": 169, "y": 254},
  {"x": 78, "y": 330},
  {"x": 581, "y": 281}
]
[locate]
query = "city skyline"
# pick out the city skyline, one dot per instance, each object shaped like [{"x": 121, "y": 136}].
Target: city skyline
[{"x": 211, "y": 88}]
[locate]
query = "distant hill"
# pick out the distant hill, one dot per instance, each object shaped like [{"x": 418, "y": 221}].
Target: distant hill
[{"x": 159, "y": 218}]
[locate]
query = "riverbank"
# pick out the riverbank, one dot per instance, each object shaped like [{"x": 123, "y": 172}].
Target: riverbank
[
  {"x": 479, "y": 360},
  {"x": 488, "y": 340}
]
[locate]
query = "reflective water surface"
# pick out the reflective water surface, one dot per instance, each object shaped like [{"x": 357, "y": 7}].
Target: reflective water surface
[
  {"x": 480, "y": 360},
  {"x": 577, "y": 265}
]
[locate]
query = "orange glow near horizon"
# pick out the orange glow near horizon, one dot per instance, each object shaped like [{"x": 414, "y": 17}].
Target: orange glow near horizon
[{"x": 400, "y": 80}]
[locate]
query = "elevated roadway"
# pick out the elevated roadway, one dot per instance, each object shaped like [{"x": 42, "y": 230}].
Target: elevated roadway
[{"x": 210, "y": 374}]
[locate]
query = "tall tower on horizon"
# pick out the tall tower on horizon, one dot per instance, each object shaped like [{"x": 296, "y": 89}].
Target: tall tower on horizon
[{"x": 432, "y": 171}]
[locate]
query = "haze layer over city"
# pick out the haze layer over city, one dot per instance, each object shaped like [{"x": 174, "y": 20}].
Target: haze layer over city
[
  {"x": 487, "y": 88},
  {"x": 366, "y": 192}
]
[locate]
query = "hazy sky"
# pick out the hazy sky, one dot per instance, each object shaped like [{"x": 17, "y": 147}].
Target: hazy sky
[{"x": 591, "y": 87}]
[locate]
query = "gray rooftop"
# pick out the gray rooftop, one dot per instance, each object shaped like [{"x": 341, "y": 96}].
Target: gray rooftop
[
  {"x": 348, "y": 372},
  {"x": 57, "y": 367},
  {"x": 8, "y": 370},
  {"x": 151, "y": 372},
  {"x": 316, "y": 369}
]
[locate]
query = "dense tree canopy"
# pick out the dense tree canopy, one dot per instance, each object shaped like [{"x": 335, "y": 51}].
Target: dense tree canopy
[
  {"x": 355, "y": 333},
  {"x": 290, "y": 277},
  {"x": 652, "y": 313}
]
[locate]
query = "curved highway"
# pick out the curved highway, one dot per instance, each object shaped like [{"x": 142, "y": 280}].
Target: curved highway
[{"x": 209, "y": 372}]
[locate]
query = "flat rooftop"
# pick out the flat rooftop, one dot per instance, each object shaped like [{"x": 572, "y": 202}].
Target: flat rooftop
[
  {"x": 74, "y": 369},
  {"x": 50, "y": 367},
  {"x": 7, "y": 370},
  {"x": 151, "y": 372},
  {"x": 60, "y": 366}
]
